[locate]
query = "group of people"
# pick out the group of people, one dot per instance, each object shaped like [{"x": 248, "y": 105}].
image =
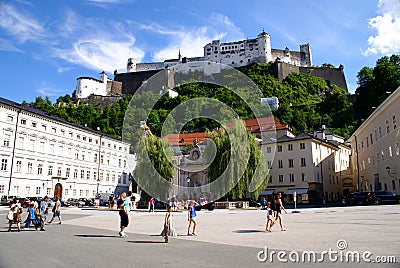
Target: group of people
[
  {"x": 168, "y": 228},
  {"x": 37, "y": 213}
]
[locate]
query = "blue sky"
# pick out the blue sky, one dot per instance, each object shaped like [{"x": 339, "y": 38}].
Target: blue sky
[{"x": 45, "y": 44}]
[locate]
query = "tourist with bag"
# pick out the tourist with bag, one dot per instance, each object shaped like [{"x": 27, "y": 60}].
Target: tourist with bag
[{"x": 16, "y": 219}]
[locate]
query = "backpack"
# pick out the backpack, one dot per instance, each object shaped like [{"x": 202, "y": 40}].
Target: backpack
[{"x": 273, "y": 205}]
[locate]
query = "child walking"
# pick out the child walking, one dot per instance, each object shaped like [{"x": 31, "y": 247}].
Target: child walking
[
  {"x": 169, "y": 229},
  {"x": 192, "y": 217},
  {"x": 270, "y": 217}
]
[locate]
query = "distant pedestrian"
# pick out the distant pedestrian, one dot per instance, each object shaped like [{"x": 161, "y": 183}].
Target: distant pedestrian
[
  {"x": 174, "y": 203},
  {"x": 152, "y": 201},
  {"x": 17, "y": 210},
  {"x": 279, "y": 208},
  {"x": 169, "y": 229},
  {"x": 56, "y": 211},
  {"x": 192, "y": 217},
  {"x": 270, "y": 217},
  {"x": 123, "y": 213},
  {"x": 263, "y": 203}
]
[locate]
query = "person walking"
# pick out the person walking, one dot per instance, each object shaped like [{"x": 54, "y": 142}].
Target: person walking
[
  {"x": 192, "y": 217},
  {"x": 169, "y": 229},
  {"x": 17, "y": 210},
  {"x": 123, "y": 210},
  {"x": 151, "y": 204},
  {"x": 56, "y": 211},
  {"x": 270, "y": 217},
  {"x": 32, "y": 217},
  {"x": 279, "y": 208},
  {"x": 44, "y": 211}
]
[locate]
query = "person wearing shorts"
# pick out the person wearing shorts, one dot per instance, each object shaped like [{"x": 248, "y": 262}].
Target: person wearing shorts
[{"x": 123, "y": 214}]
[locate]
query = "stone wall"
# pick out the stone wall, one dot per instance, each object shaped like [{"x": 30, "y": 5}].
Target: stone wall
[{"x": 101, "y": 101}]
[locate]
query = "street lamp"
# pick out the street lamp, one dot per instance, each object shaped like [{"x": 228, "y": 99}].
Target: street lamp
[{"x": 188, "y": 182}]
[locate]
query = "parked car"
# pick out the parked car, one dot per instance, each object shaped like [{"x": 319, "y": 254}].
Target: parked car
[
  {"x": 87, "y": 202},
  {"x": 65, "y": 203},
  {"x": 363, "y": 198},
  {"x": 25, "y": 202},
  {"x": 382, "y": 197},
  {"x": 7, "y": 199},
  {"x": 75, "y": 202},
  {"x": 348, "y": 200}
]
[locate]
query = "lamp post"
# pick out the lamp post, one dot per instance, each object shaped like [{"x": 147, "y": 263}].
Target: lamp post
[{"x": 188, "y": 182}]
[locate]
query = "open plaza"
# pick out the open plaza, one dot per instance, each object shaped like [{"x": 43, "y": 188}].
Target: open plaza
[{"x": 359, "y": 236}]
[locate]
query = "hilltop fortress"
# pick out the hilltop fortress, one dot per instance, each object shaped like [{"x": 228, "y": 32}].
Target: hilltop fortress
[{"x": 233, "y": 54}]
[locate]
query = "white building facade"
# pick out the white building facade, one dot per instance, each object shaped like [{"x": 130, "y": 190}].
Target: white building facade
[
  {"x": 233, "y": 54},
  {"x": 85, "y": 86},
  {"x": 376, "y": 148},
  {"x": 44, "y": 155}
]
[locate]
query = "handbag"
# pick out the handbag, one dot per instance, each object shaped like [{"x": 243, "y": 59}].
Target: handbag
[{"x": 10, "y": 215}]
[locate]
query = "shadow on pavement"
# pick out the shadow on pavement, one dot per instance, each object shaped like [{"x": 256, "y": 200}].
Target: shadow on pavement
[
  {"x": 247, "y": 231},
  {"x": 95, "y": 235}
]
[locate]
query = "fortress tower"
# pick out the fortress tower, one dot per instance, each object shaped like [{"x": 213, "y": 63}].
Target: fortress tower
[
  {"x": 131, "y": 66},
  {"x": 305, "y": 51},
  {"x": 264, "y": 47}
]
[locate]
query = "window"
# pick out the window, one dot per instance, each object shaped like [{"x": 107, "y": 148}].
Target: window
[
  {"x": 28, "y": 190},
  {"x": 280, "y": 178},
  {"x": 119, "y": 162},
  {"x": 269, "y": 150},
  {"x": 387, "y": 127},
  {"x": 102, "y": 159},
  {"x": 48, "y": 191},
  {"x": 77, "y": 154},
  {"x": 30, "y": 165},
  {"x": 52, "y": 148},
  {"x": 7, "y": 138},
  {"x": 376, "y": 134},
  {"x": 61, "y": 150},
  {"x": 303, "y": 162},
  {"x": 394, "y": 121},
  {"x": 67, "y": 172},
  {"x": 302, "y": 146},
  {"x": 95, "y": 158},
  {"x": 303, "y": 177},
  {"x": 81, "y": 192},
  {"x": 10, "y": 118},
  {"x": 66, "y": 192},
  {"x": 370, "y": 137},
  {"x": 50, "y": 172},
  {"x": 380, "y": 132},
  {"x": 108, "y": 177},
  {"x": 18, "y": 165},
  {"x": 291, "y": 177},
  {"x": 75, "y": 173},
  {"x": 396, "y": 146},
  {"x": 74, "y": 192},
  {"x": 124, "y": 175},
  {"x": 88, "y": 175},
  {"x": 390, "y": 151},
  {"x": 113, "y": 177},
  {"x": 82, "y": 174},
  {"x": 40, "y": 169},
  {"x": 290, "y": 147},
  {"x": 3, "y": 164},
  {"x": 83, "y": 156},
  {"x": 21, "y": 141},
  {"x": 59, "y": 171},
  {"x": 279, "y": 148},
  {"x": 41, "y": 147},
  {"x": 94, "y": 175},
  {"x": 23, "y": 121},
  {"x": 69, "y": 152},
  {"x": 101, "y": 176},
  {"x": 280, "y": 163},
  {"x": 87, "y": 192},
  {"x": 269, "y": 164},
  {"x": 291, "y": 163},
  {"x": 124, "y": 163},
  {"x": 38, "y": 189},
  {"x": 1, "y": 189}
]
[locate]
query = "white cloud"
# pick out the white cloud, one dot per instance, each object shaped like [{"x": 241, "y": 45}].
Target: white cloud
[
  {"x": 20, "y": 25},
  {"x": 95, "y": 45},
  {"x": 387, "y": 26},
  {"x": 191, "y": 40},
  {"x": 47, "y": 91},
  {"x": 5, "y": 45}
]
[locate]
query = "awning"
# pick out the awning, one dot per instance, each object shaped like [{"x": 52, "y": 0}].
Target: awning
[
  {"x": 267, "y": 192},
  {"x": 298, "y": 191}
]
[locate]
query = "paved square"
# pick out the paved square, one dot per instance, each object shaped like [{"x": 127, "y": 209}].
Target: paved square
[{"x": 226, "y": 238}]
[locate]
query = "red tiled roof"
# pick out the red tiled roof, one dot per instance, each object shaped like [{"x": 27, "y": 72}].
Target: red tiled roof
[
  {"x": 267, "y": 124},
  {"x": 176, "y": 139}
]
